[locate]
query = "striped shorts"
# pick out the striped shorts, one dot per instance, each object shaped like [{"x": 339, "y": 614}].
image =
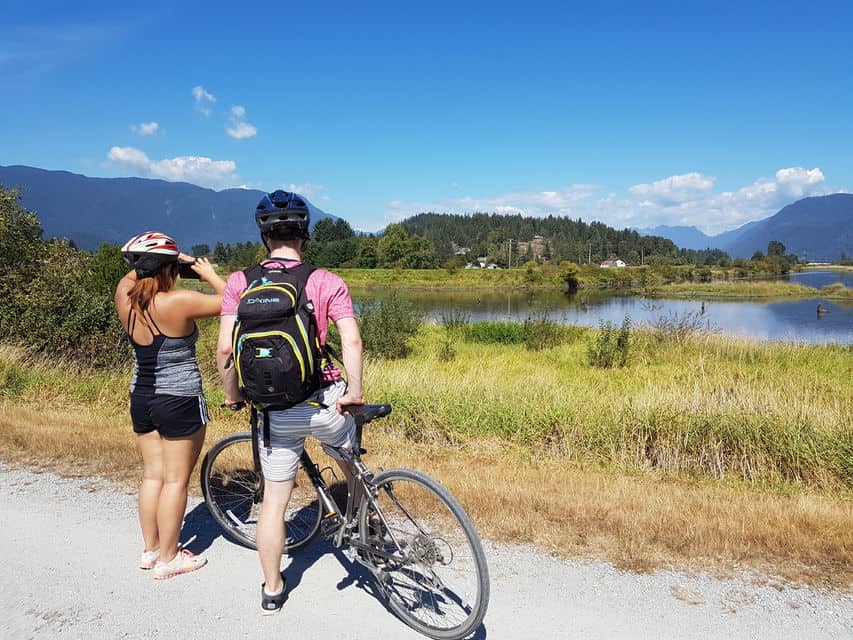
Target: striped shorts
[{"x": 289, "y": 428}]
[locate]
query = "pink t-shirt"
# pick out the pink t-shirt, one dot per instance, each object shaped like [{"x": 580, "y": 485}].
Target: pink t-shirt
[{"x": 324, "y": 289}]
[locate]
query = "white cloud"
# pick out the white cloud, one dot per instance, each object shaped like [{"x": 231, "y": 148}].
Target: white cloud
[
  {"x": 240, "y": 129},
  {"x": 680, "y": 188},
  {"x": 561, "y": 201},
  {"x": 203, "y": 100},
  {"x": 797, "y": 181},
  {"x": 313, "y": 192},
  {"x": 685, "y": 199},
  {"x": 195, "y": 169},
  {"x": 145, "y": 128}
]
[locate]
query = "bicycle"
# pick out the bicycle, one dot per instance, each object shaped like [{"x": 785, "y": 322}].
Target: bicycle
[{"x": 431, "y": 569}]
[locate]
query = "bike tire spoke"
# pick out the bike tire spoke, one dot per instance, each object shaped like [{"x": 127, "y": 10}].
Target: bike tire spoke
[{"x": 434, "y": 576}]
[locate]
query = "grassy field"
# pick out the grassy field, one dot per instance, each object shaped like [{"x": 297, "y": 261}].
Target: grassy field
[
  {"x": 545, "y": 276},
  {"x": 711, "y": 453},
  {"x": 751, "y": 289}
]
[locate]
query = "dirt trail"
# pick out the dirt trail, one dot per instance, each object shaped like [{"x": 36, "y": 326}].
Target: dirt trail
[{"x": 69, "y": 548}]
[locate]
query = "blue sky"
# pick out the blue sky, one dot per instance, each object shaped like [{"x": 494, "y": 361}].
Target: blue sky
[{"x": 710, "y": 114}]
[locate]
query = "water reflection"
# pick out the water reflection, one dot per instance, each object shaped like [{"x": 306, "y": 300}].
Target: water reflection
[{"x": 765, "y": 320}]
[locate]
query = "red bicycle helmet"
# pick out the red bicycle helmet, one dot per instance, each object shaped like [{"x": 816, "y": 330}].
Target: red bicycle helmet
[{"x": 148, "y": 252}]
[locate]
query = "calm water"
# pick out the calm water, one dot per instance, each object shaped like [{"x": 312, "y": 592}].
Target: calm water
[
  {"x": 788, "y": 320},
  {"x": 820, "y": 279}
]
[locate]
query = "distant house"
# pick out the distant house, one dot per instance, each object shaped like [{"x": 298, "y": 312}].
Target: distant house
[
  {"x": 610, "y": 264},
  {"x": 461, "y": 251},
  {"x": 482, "y": 263}
]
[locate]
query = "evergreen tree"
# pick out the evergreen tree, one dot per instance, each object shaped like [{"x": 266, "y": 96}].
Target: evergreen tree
[{"x": 220, "y": 255}]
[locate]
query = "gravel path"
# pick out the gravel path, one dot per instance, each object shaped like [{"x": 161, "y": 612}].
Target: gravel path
[{"x": 69, "y": 548}]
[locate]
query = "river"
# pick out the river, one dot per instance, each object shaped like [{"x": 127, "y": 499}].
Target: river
[{"x": 762, "y": 319}]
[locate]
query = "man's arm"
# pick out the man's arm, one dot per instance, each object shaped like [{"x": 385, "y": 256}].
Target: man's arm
[
  {"x": 351, "y": 354},
  {"x": 223, "y": 357}
]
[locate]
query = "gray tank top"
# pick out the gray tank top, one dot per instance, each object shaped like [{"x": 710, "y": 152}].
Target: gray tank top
[{"x": 167, "y": 366}]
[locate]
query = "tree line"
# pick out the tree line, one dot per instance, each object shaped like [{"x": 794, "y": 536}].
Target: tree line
[{"x": 429, "y": 241}]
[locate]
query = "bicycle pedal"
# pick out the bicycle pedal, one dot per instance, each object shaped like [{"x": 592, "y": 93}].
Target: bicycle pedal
[{"x": 330, "y": 524}]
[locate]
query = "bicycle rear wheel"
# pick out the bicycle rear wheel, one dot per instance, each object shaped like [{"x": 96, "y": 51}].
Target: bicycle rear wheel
[
  {"x": 231, "y": 485},
  {"x": 430, "y": 562}
]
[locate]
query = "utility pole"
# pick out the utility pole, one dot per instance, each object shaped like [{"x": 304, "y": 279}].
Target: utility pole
[
  {"x": 589, "y": 259},
  {"x": 509, "y": 253},
  {"x": 642, "y": 255}
]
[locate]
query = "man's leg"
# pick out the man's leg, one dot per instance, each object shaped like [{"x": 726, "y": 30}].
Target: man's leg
[{"x": 271, "y": 531}]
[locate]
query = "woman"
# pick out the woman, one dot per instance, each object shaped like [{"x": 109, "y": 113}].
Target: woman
[{"x": 167, "y": 407}]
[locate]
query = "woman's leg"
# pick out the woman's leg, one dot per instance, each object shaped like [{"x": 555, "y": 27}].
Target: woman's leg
[
  {"x": 149, "y": 490},
  {"x": 179, "y": 458},
  {"x": 270, "y": 533}
]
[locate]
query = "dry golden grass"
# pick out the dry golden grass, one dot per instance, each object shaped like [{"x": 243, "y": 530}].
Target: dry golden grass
[{"x": 641, "y": 522}]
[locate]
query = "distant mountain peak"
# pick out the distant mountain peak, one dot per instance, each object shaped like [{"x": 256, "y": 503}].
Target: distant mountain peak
[
  {"x": 814, "y": 228},
  {"x": 95, "y": 210},
  {"x": 684, "y": 237}
]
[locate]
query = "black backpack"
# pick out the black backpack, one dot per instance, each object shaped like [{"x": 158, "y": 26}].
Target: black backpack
[{"x": 276, "y": 345}]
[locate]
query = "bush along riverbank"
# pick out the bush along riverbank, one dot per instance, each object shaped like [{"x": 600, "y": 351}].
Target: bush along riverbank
[{"x": 565, "y": 276}]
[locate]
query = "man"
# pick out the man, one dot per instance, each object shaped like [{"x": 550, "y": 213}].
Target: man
[{"x": 283, "y": 219}]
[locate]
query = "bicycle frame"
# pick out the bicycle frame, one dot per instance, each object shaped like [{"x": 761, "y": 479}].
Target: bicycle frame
[{"x": 359, "y": 483}]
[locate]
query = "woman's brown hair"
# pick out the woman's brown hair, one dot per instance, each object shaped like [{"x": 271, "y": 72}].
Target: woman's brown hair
[{"x": 142, "y": 294}]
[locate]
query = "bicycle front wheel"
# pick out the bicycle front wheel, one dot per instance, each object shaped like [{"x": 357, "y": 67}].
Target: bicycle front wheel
[
  {"x": 429, "y": 560},
  {"x": 232, "y": 489}
]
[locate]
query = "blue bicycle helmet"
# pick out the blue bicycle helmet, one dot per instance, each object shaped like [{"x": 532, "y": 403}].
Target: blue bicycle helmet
[{"x": 285, "y": 214}]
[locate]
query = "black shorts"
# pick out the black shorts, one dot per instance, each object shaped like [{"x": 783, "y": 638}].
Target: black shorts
[{"x": 171, "y": 416}]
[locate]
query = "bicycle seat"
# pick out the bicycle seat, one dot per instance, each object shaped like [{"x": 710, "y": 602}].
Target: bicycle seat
[{"x": 364, "y": 413}]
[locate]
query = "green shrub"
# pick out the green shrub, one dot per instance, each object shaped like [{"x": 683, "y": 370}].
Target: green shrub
[
  {"x": 542, "y": 333},
  {"x": 107, "y": 269},
  {"x": 12, "y": 379},
  {"x": 490, "y": 332},
  {"x": 534, "y": 333},
  {"x": 609, "y": 347},
  {"x": 386, "y": 326},
  {"x": 59, "y": 311},
  {"x": 532, "y": 272}
]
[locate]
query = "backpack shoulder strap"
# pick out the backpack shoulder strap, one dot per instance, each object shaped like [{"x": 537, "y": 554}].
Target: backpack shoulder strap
[
  {"x": 301, "y": 273},
  {"x": 253, "y": 273}
]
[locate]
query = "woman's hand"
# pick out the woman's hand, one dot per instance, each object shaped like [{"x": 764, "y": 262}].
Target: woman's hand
[{"x": 204, "y": 269}]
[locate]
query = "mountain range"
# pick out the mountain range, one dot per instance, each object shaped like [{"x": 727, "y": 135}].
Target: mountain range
[
  {"x": 91, "y": 211},
  {"x": 818, "y": 228},
  {"x": 95, "y": 210}
]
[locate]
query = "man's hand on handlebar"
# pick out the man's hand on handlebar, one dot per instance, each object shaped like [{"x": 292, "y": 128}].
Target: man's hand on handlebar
[{"x": 347, "y": 400}]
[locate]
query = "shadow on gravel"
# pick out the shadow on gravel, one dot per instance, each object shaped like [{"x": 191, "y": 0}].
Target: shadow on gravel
[
  {"x": 357, "y": 575},
  {"x": 199, "y": 530}
]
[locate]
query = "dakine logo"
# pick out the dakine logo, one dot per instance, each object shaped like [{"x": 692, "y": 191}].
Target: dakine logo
[{"x": 262, "y": 300}]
